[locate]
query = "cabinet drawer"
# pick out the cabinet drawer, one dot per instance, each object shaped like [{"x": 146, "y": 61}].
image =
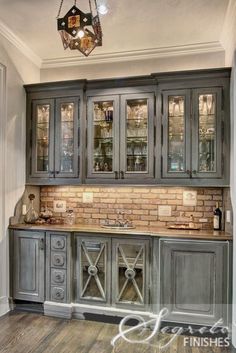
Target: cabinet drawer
[
  {"x": 58, "y": 276},
  {"x": 58, "y": 260},
  {"x": 58, "y": 294},
  {"x": 58, "y": 242}
]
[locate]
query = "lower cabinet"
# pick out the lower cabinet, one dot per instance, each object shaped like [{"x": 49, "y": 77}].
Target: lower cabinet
[
  {"x": 58, "y": 267},
  {"x": 28, "y": 259},
  {"x": 130, "y": 273},
  {"x": 113, "y": 271},
  {"x": 93, "y": 263},
  {"x": 191, "y": 278},
  {"x": 194, "y": 280}
]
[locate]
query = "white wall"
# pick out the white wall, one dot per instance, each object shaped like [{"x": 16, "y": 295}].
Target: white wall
[
  {"x": 233, "y": 186},
  {"x": 12, "y": 163},
  {"x": 135, "y": 68}
]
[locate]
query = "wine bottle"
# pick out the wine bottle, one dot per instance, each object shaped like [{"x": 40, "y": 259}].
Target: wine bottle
[{"x": 217, "y": 218}]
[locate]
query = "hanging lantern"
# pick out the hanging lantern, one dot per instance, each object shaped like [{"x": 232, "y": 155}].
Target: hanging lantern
[{"x": 79, "y": 30}]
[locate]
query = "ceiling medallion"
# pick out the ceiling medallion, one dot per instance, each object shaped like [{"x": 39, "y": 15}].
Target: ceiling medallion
[{"x": 79, "y": 30}]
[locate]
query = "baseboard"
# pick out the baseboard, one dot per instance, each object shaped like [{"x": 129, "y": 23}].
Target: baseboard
[
  {"x": 59, "y": 310},
  {"x": 4, "y": 306}
]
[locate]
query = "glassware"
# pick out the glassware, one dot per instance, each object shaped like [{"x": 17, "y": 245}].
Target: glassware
[
  {"x": 67, "y": 137},
  {"x": 31, "y": 215},
  {"x": 136, "y": 134},
  {"x": 207, "y": 133},
  {"x": 42, "y": 137},
  {"x": 176, "y": 132},
  {"x": 70, "y": 217},
  {"x": 103, "y": 136}
]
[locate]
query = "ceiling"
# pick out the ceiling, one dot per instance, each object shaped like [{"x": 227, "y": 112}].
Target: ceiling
[{"x": 131, "y": 26}]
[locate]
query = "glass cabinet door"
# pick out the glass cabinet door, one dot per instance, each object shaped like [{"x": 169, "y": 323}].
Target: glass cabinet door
[
  {"x": 42, "y": 163},
  {"x": 137, "y": 136},
  {"x": 206, "y": 143},
  {"x": 103, "y": 137},
  {"x": 67, "y": 138},
  {"x": 130, "y": 273},
  {"x": 92, "y": 269},
  {"x": 176, "y": 134}
]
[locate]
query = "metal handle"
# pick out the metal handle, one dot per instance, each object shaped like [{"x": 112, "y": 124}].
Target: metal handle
[
  {"x": 41, "y": 244},
  {"x": 189, "y": 172},
  {"x": 57, "y": 171},
  {"x": 116, "y": 175},
  {"x": 122, "y": 175},
  {"x": 194, "y": 172}
]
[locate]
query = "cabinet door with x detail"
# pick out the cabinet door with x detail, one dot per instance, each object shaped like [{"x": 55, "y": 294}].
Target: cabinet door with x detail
[
  {"x": 130, "y": 287},
  {"x": 93, "y": 275}
]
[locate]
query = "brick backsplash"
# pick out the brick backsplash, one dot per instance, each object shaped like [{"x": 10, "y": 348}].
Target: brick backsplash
[{"x": 140, "y": 203}]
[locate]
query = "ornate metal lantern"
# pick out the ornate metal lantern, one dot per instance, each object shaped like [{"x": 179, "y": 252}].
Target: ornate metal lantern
[{"x": 79, "y": 30}]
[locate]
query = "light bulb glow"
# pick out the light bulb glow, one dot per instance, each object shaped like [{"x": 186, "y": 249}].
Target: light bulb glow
[
  {"x": 81, "y": 34},
  {"x": 102, "y": 9}
]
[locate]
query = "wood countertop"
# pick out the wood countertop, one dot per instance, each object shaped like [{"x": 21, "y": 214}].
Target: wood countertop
[{"x": 145, "y": 231}]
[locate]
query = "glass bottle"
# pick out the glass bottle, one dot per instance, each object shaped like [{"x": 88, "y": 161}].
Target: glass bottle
[
  {"x": 31, "y": 215},
  {"x": 217, "y": 218},
  {"x": 70, "y": 217}
]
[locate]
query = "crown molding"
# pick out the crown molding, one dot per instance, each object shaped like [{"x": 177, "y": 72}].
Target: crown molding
[
  {"x": 20, "y": 45},
  {"x": 122, "y": 56},
  {"x": 228, "y": 28}
]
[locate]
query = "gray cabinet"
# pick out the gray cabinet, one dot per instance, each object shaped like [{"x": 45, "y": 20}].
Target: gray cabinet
[
  {"x": 193, "y": 125},
  {"x": 93, "y": 269},
  {"x": 192, "y": 133},
  {"x": 28, "y": 263},
  {"x": 113, "y": 272},
  {"x": 130, "y": 273},
  {"x": 194, "y": 280},
  {"x": 53, "y": 134},
  {"x": 59, "y": 267},
  {"x": 121, "y": 136}
]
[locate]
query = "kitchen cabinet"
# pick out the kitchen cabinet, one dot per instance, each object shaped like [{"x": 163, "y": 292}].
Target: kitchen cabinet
[
  {"x": 192, "y": 141},
  {"x": 113, "y": 271},
  {"x": 58, "y": 267},
  {"x": 130, "y": 273},
  {"x": 53, "y": 134},
  {"x": 165, "y": 128},
  {"x": 121, "y": 136},
  {"x": 194, "y": 118},
  {"x": 28, "y": 264},
  {"x": 93, "y": 269},
  {"x": 110, "y": 274},
  {"x": 194, "y": 280}
]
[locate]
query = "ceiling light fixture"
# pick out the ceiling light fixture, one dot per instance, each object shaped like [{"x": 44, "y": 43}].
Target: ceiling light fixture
[{"x": 79, "y": 30}]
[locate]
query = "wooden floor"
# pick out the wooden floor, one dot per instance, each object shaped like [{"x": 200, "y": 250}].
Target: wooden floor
[{"x": 27, "y": 332}]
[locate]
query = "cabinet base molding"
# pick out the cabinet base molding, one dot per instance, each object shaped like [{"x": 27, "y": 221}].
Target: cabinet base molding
[
  {"x": 60, "y": 310},
  {"x": 4, "y": 306},
  {"x": 78, "y": 311}
]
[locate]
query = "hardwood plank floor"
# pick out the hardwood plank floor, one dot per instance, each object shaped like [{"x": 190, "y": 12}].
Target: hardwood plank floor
[{"x": 22, "y": 332}]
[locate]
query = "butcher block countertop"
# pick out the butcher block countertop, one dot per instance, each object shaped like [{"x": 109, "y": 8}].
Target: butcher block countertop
[{"x": 145, "y": 231}]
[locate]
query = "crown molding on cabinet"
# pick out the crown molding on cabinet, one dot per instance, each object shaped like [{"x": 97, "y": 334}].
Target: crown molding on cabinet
[
  {"x": 20, "y": 44},
  {"x": 122, "y": 56}
]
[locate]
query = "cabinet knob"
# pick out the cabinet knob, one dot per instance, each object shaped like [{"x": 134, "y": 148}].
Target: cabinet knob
[{"x": 189, "y": 172}]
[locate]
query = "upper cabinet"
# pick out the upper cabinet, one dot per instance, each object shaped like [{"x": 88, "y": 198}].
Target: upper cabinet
[
  {"x": 53, "y": 140},
  {"x": 192, "y": 133},
  {"x": 121, "y": 137},
  {"x": 168, "y": 128},
  {"x": 193, "y": 113}
]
